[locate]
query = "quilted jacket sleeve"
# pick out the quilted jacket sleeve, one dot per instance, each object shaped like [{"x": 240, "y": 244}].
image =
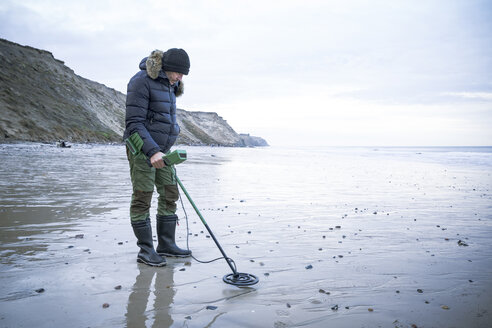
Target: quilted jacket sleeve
[{"x": 137, "y": 104}]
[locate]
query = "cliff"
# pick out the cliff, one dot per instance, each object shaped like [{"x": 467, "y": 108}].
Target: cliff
[
  {"x": 205, "y": 128},
  {"x": 252, "y": 141},
  {"x": 41, "y": 99}
]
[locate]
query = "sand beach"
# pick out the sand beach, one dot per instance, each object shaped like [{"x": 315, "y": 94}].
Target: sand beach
[{"x": 338, "y": 237}]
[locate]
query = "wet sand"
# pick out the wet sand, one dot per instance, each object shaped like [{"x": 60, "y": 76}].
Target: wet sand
[{"x": 339, "y": 238}]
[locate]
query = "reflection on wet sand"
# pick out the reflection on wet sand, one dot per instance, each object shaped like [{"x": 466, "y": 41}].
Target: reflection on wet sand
[{"x": 163, "y": 291}]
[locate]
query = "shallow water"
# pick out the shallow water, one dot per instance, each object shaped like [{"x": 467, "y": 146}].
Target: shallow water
[{"x": 343, "y": 237}]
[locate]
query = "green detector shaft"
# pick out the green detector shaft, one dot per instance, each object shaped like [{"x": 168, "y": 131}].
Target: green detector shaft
[{"x": 235, "y": 278}]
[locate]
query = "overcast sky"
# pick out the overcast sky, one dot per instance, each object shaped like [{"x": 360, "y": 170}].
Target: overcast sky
[{"x": 335, "y": 72}]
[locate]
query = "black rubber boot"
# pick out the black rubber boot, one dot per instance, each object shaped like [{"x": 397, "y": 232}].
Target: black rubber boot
[
  {"x": 147, "y": 254},
  {"x": 166, "y": 232}
]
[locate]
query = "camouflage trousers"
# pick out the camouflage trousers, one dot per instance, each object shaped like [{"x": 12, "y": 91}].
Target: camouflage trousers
[{"x": 144, "y": 178}]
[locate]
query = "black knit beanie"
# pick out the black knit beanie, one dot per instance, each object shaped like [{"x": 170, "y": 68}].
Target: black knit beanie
[{"x": 176, "y": 60}]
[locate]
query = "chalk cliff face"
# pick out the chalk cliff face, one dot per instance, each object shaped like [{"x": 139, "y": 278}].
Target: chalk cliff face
[
  {"x": 41, "y": 99},
  {"x": 205, "y": 128}
]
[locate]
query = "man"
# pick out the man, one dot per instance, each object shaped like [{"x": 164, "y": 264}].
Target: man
[{"x": 151, "y": 113}]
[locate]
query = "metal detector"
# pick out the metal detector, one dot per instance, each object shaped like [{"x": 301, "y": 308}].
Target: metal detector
[{"x": 235, "y": 278}]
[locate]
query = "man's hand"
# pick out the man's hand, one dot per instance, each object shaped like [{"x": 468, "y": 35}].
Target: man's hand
[{"x": 157, "y": 161}]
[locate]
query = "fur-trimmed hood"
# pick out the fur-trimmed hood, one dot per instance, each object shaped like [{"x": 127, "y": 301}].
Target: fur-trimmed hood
[{"x": 153, "y": 65}]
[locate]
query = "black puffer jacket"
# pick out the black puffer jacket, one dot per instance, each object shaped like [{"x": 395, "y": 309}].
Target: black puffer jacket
[{"x": 151, "y": 106}]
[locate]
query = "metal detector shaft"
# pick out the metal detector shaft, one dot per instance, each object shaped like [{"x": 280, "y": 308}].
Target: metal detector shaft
[{"x": 204, "y": 222}]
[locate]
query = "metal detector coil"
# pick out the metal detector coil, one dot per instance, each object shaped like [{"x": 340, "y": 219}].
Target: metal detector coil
[
  {"x": 235, "y": 278},
  {"x": 240, "y": 279}
]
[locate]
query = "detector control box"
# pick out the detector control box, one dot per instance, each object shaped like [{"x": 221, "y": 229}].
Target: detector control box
[{"x": 175, "y": 157}]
